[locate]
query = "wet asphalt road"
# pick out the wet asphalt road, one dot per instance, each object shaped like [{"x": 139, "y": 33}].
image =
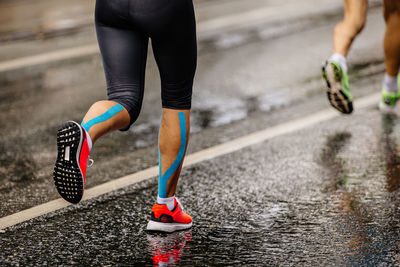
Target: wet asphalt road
[
  {"x": 326, "y": 195},
  {"x": 232, "y": 84},
  {"x": 337, "y": 205}
]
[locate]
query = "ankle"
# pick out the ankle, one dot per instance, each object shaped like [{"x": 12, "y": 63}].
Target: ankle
[
  {"x": 341, "y": 59},
  {"x": 390, "y": 83},
  {"x": 89, "y": 140},
  {"x": 169, "y": 201}
]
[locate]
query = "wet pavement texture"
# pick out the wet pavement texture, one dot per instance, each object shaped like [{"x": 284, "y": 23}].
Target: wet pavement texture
[
  {"x": 264, "y": 206},
  {"x": 227, "y": 90},
  {"x": 326, "y": 195}
]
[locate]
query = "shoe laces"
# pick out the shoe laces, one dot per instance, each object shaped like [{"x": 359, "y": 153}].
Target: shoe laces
[
  {"x": 90, "y": 162},
  {"x": 179, "y": 203}
]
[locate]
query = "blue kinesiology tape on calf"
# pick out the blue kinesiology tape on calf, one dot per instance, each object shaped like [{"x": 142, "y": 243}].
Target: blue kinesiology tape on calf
[
  {"x": 159, "y": 154},
  {"x": 163, "y": 180},
  {"x": 103, "y": 117}
]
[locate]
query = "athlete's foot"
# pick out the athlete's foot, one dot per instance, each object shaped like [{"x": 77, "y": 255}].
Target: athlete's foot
[
  {"x": 337, "y": 87},
  {"x": 388, "y": 102},
  {"x": 70, "y": 168},
  {"x": 164, "y": 220}
]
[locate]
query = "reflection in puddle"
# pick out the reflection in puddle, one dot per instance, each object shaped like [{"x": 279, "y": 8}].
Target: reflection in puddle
[
  {"x": 356, "y": 238},
  {"x": 368, "y": 226},
  {"x": 329, "y": 159},
  {"x": 166, "y": 249},
  {"x": 391, "y": 153}
]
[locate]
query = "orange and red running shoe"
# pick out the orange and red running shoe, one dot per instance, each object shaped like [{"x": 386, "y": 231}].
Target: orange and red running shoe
[
  {"x": 70, "y": 168},
  {"x": 164, "y": 220}
]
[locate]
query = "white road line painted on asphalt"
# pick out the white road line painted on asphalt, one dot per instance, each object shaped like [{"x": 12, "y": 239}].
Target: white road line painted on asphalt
[
  {"x": 45, "y": 58},
  {"x": 206, "y": 154}
]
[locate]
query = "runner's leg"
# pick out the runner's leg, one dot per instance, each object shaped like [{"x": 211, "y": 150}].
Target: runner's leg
[
  {"x": 176, "y": 54},
  {"x": 173, "y": 139},
  {"x": 175, "y": 51},
  {"x": 111, "y": 123},
  {"x": 390, "y": 90},
  {"x": 355, "y": 13},
  {"x": 392, "y": 36},
  {"x": 124, "y": 52},
  {"x": 334, "y": 70}
]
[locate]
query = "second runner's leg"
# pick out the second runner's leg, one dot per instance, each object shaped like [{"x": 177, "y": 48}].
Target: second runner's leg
[
  {"x": 335, "y": 69},
  {"x": 390, "y": 90}
]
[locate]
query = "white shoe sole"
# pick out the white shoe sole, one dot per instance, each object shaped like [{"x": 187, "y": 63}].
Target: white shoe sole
[
  {"x": 336, "y": 96},
  {"x": 386, "y": 109},
  {"x": 167, "y": 227}
]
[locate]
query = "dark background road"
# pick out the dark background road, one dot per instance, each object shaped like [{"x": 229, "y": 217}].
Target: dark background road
[{"x": 323, "y": 195}]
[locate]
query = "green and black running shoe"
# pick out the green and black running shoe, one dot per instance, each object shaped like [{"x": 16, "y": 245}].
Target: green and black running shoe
[
  {"x": 388, "y": 103},
  {"x": 337, "y": 83}
]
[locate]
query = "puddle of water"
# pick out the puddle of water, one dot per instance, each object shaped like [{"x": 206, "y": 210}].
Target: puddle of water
[
  {"x": 166, "y": 249},
  {"x": 391, "y": 151},
  {"x": 328, "y": 159},
  {"x": 368, "y": 232}
]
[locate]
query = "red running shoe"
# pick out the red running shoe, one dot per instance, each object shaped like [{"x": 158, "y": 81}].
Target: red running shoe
[
  {"x": 164, "y": 220},
  {"x": 70, "y": 168}
]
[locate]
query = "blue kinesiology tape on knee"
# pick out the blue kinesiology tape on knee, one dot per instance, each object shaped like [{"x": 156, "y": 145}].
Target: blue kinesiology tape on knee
[
  {"x": 103, "y": 117},
  {"x": 163, "y": 180}
]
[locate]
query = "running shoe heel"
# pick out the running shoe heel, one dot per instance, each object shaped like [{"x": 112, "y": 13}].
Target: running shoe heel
[
  {"x": 337, "y": 85},
  {"x": 164, "y": 220},
  {"x": 325, "y": 77},
  {"x": 388, "y": 103}
]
